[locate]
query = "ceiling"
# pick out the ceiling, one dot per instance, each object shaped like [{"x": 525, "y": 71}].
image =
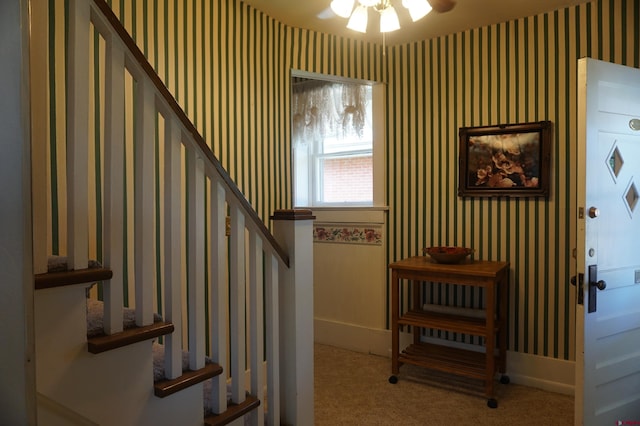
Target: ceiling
[{"x": 316, "y": 15}]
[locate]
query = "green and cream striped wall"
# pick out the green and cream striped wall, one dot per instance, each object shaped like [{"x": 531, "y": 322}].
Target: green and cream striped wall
[
  {"x": 229, "y": 66},
  {"x": 519, "y": 71}
]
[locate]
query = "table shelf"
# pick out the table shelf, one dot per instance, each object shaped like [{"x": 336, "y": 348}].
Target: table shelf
[
  {"x": 446, "y": 322},
  {"x": 443, "y": 358}
]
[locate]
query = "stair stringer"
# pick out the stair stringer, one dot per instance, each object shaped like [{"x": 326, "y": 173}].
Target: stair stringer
[{"x": 114, "y": 387}]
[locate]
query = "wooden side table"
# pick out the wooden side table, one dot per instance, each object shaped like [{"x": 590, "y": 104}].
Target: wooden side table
[{"x": 494, "y": 278}]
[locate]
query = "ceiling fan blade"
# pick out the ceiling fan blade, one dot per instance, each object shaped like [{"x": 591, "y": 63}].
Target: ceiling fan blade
[{"x": 442, "y": 6}]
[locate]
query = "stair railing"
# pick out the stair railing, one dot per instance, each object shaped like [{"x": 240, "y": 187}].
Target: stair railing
[{"x": 220, "y": 236}]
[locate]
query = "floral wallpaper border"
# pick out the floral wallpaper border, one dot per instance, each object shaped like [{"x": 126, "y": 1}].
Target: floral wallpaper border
[{"x": 347, "y": 234}]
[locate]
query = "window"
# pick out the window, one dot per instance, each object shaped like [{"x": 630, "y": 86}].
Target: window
[{"x": 333, "y": 143}]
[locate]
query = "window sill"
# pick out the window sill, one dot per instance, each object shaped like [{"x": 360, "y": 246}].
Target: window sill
[
  {"x": 345, "y": 208},
  {"x": 351, "y": 214}
]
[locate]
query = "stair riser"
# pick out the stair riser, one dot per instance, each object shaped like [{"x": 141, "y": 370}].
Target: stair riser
[{"x": 94, "y": 384}]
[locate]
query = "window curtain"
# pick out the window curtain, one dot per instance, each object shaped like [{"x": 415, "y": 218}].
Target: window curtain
[{"x": 321, "y": 109}]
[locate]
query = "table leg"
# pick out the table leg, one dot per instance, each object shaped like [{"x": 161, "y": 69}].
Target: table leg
[
  {"x": 502, "y": 344},
  {"x": 415, "y": 305},
  {"x": 395, "y": 338},
  {"x": 490, "y": 344}
]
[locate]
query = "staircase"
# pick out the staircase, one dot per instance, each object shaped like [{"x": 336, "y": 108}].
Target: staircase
[{"x": 225, "y": 319}]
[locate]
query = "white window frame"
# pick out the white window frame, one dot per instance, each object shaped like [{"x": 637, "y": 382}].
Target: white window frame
[{"x": 377, "y": 150}]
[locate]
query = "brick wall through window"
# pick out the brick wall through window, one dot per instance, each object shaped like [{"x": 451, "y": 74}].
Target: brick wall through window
[{"x": 347, "y": 179}]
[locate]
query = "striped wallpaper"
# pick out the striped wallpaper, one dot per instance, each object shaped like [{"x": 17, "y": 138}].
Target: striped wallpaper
[
  {"x": 229, "y": 66},
  {"x": 519, "y": 71}
]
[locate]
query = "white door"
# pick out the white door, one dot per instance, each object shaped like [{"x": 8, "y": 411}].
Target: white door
[{"x": 608, "y": 248}]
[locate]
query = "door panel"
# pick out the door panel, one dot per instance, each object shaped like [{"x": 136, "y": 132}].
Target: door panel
[
  {"x": 618, "y": 245},
  {"x": 608, "y": 339}
]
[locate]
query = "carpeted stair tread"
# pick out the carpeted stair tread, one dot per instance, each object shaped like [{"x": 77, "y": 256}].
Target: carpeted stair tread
[
  {"x": 103, "y": 343},
  {"x": 95, "y": 318},
  {"x": 158, "y": 361},
  {"x": 233, "y": 412},
  {"x": 207, "y": 386},
  {"x": 98, "y": 341},
  {"x": 58, "y": 274},
  {"x": 79, "y": 276},
  {"x": 166, "y": 387}
]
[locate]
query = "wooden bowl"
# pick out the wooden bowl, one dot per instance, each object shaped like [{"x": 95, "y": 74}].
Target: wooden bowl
[{"x": 447, "y": 254}]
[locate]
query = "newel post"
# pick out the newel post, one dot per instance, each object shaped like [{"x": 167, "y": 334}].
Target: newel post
[{"x": 293, "y": 229}]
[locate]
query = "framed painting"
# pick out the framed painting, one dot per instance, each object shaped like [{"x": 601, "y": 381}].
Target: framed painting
[{"x": 508, "y": 160}]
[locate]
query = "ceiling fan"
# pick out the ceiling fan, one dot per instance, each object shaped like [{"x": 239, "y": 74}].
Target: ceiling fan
[{"x": 358, "y": 17}]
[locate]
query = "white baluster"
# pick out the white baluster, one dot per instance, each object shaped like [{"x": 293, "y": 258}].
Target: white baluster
[
  {"x": 273, "y": 339},
  {"x": 237, "y": 303},
  {"x": 144, "y": 201},
  {"x": 256, "y": 327},
  {"x": 172, "y": 247},
  {"x": 113, "y": 184},
  {"x": 195, "y": 261},
  {"x": 78, "y": 134},
  {"x": 219, "y": 293}
]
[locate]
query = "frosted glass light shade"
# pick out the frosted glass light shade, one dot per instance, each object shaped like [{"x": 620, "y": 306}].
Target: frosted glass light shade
[
  {"x": 358, "y": 20},
  {"x": 418, "y": 9},
  {"x": 389, "y": 20},
  {"x": 342, "y": 8}
]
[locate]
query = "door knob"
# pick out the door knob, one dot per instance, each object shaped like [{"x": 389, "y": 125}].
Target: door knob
[
  {"x": 601, "y": 285},
  {"x": 594, "y": 212}
]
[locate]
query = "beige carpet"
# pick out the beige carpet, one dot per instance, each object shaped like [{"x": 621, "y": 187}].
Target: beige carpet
[{"x": 353, "y": 389}]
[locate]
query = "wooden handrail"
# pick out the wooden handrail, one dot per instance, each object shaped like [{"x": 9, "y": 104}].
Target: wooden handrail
[{"x": 186, "y": 122}]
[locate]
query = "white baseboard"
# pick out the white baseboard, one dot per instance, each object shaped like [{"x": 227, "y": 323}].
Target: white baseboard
[
  {"x": 353, "y": 337},
  {"x": 51, "y": 412},
  {"x": 550, "y": 374}
]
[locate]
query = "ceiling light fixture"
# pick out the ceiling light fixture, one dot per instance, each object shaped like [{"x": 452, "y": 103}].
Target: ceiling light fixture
[{"x": 358, "y": 17}]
